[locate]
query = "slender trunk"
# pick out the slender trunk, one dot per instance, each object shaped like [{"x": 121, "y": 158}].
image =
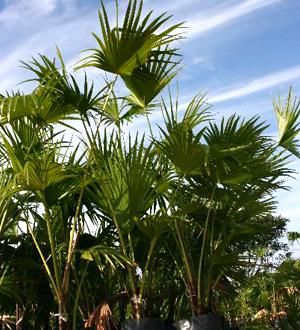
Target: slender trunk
[
  {"x": 193, "y": 297},
  {"x": 135, "y": 299},
  {"x": 191, "y": 286},
  {"x": 145, "y": 276},
  {"x": 18, "y": 317},
  {"x": 62, "y": 318}
]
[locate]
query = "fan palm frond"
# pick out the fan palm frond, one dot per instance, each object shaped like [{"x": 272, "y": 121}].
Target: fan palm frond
[
  {"x": 154, "y": 225},
  {"x": 125, "y": 178},
  {"x": 102, "y": 255},
  {"x": 8, "y": 286},
  {"x": 111, "y": 111},
  {"x": 240, "y": 152},
  {"x": 10, "y": 213},
  {"x": 39, "y": 106},
  {"x": 235, "y": 132},
  {"x": 180, "y": 144},
  {"x": 148, "y": 80},
  {"x": 288, "y": 113},
  {"x": 62, "y": 86},
  {"x": 123, "y": 49},
  {"x": 184, "y": 149}
]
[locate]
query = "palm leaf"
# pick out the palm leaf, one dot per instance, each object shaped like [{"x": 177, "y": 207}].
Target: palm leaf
[
  {"x": 241, "y": 153},
  {"x": 125, "y": 179},
  {"x": 293, "y": 236},
  {"x": 123, "y": 49},
  {"x": 10, "y": 213},
  {"x": 62, "y": 88},
  {"x": 148, "y": 80},
  {"x": 287, "y": 114},
  {"x": 102, "y": 255},
  {"x": 154, "y": 225},
  {"x": 111, "y": 111},
  {"x": 180, "y": 144}
]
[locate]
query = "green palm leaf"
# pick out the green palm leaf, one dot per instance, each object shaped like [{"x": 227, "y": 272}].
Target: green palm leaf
[
  {"x": 8, "y": 288},
  {"x": 102, "y": 255},
  {"x": 180, "y": 144},
  {"x": 241, "y": 153},
  {"x": 10, "y": 213},
  {"x": 288, "y": 114},
  {"x": 154, "y": 225},
  {"x": 62, "y": 88},
  {"x": 125, "y": 179},
  {"x": 293, "y": 236},
  {"x": 123, "y": 49},
  {"x": 111, "y": 111},
  {"x": 40, "y": 106},
  {"x": 148, "y": 80},
  {"x": 15, "y": 107}
]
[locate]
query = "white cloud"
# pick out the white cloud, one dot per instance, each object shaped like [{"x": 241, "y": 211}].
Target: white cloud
[
  {"x": 69, "y": 35},
  {"x": 294, "y": 214},
  {"x": 259, "y": 84},
  {"x": 10, "y": 71},
  {"x": 17, "y": 9},
  {"x": 203, "y": 62},
  {"x": 208, "y": 20},
  {"x": 45, "y": 5},
  {"x": 168, "y": 6}
]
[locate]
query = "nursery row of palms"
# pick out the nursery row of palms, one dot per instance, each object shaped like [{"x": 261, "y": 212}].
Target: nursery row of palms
[{"x": 108, "y": 226}]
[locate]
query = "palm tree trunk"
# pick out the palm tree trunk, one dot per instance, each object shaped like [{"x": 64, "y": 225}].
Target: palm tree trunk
[
  {"x": 193, "y": 297},
  {"x": 18, "y": 317},
  {"x": 62, "y": 318}
]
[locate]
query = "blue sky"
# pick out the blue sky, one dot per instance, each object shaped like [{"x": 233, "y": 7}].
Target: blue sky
[{"x": 242, "y": 52}]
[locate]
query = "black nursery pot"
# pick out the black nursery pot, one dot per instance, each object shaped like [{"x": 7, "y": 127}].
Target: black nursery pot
[
  {"x": 205, "y": 322},
  {"x": 146, "y": 324},
  {"x": 208, "y": 322},
  {"x": 202, "y": 322}
]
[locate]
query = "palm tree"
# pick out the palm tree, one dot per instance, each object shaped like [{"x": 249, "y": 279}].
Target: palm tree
[
  {"x": 45, "y": 170},
  {"x": 226, "y": 175},
  {"x": 125, "y": 188}
]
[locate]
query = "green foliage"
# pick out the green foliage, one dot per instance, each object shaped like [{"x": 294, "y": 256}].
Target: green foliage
[
  {"x": 275, "y": 292},
  {"x": 96, "y": 224},
  {"x": 148, "y": 80},
  {"x": 287, "y": 114},
  {"x": 124, "y": 48}
]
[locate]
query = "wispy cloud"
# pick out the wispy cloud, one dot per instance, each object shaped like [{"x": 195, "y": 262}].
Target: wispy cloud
[
  {"x": 202, "y": 61},
  {"x": 16, "y": 9},
  {"x": 69, "y": 35},
  {"x": 210, "y": 20},
  {"x": 259, "y": 84}
]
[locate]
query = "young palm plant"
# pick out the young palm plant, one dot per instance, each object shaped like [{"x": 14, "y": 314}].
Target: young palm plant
[
  {"x": 47, "y": 172},
  {"x": 125, "y": 189},
  {"x": 226, "y": 175}
]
